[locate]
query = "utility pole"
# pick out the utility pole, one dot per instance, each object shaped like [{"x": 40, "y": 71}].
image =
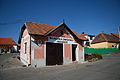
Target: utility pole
[
  {"x": 119, "y": 32},
  {"x": 119, "y": 37}
]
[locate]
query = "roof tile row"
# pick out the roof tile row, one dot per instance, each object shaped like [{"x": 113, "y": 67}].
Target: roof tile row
[
  {"x": 42, "y": 29},
  {"x": 102, "y": 37},
  {"x": 7, "y": 41}
]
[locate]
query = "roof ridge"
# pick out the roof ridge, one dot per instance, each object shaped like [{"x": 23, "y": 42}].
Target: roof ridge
[
  {"x": 40, "y": 23},
  {"x": 54, "y": 28},
  {"x": 114, "y": 34},
  {"x": 103, "y": 34}
]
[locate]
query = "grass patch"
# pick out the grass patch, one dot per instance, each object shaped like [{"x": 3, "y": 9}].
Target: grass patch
[{"x": 100, "y": 50}]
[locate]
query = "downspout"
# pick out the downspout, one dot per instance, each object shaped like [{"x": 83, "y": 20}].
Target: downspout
[
  {"x": 30, "y": 50},
  {"x": 83, "y": 54}
]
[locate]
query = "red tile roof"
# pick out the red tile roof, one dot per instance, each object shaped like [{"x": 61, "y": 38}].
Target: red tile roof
[
  {"x": 102, "y": 37},
  {"x": 7, "y": 41},
  {"x": 38, "y": 28},
  {"x": 80, "y": 36},
  {"x": 43, "y": 29},
  {"x": 116, "y": 35},
  {"x": 84, "y": 34}
]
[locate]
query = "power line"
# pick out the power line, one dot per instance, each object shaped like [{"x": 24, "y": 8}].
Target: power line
[
  {"x": 21, "y": 20},
  {"x": 9, "y": 23}
]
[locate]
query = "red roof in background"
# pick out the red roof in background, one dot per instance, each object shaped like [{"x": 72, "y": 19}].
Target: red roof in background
[
  {"x": 116, "y": 35},
  {"x": 7, "y": 41},
  {"x": 80, "y": 36},
  {"x": 102, "y": 37},
  {"x": 84, "y": 34}
]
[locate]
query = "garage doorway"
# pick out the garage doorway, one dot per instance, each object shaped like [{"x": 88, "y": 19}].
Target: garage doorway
[
  {"x": 74, "y": 52},
  {"x": 54, "y": 54}
]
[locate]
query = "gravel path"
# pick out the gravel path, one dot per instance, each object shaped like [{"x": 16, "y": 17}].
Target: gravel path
[
  {"x": 106, "y": 69},
  {"x": 9, "y": 60}
]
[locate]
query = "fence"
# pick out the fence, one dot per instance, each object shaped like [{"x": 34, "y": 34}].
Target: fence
[{"x": 100, "y": 50}]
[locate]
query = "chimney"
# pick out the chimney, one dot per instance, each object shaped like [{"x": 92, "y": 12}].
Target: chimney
[{"x": 82, "y": 32}]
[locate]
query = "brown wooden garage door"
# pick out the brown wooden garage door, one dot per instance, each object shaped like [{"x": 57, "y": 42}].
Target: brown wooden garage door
[{"x": 54, "y": 54}]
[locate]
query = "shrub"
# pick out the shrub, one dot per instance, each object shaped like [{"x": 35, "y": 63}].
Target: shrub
[{"x": 92, "y": 57}]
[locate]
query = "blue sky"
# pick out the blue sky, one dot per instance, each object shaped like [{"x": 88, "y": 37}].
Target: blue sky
[{"x": 89, "y": 16}]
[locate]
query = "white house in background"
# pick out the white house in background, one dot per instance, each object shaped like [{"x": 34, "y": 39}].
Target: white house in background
[
  {"x": 87, "y": 43},
  {"x": 7, "y": 45}
]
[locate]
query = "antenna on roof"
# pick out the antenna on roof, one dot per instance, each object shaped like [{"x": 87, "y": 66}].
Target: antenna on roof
[
  {"x": 63, "y": 22},
  {"x": 82, "y": 32}
]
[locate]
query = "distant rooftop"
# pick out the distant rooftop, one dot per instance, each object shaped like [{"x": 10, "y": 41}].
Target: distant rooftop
[
  {"x": 102, "y": 37},
  {"x": 7, "y": 41}
]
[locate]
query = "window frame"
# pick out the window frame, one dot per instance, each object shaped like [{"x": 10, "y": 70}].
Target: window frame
[{"x": 25, "y": 47}]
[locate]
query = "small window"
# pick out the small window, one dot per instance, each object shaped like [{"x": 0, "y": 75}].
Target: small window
[
  {"x": 113, "y": 46},
  {"x": 62, "y": 32},
  {"x": 25, "y": 48},
  {"x": 91, "y": 37},
  {"x": 87, "y": 44},
  {"x": 39, "y": 42}
]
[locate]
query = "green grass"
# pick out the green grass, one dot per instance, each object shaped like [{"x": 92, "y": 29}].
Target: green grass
[{"x": 100, "y": 50}]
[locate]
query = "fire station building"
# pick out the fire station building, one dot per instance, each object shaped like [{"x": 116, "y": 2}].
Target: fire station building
[{"x": 43, "y": 44}]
